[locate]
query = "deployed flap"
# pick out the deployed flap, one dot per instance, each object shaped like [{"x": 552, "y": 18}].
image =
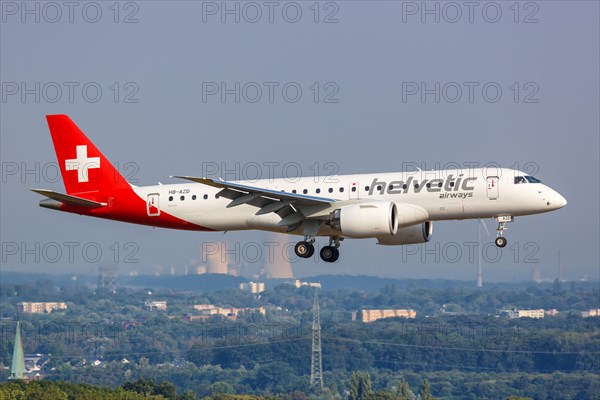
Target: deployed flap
[{"x": 68, "y": 199}]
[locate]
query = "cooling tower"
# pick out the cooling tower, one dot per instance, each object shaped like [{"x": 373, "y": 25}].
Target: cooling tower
[
  {"x": 277, "y": 264},
  {"x": 216, "y": 263}
]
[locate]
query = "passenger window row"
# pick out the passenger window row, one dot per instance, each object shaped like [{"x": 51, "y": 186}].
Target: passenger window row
[
  {"x": 194, "y": 197},
  {"x": 330, "y": 190}
]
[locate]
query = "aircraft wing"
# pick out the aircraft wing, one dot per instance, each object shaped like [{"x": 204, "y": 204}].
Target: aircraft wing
[
  {"x": 267, "y": 200},
  {"x": 299, "y": 199}
]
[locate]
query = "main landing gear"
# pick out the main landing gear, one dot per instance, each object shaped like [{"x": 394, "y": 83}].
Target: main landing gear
[
  {"x": 500, "y": 239},
  {"x": 305, "y": 248},
  {"x": 331, "y": 253}
]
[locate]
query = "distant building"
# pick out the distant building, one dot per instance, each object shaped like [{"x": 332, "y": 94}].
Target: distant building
[
  {"x": 154, "y": 305},
  {"x": 40, "y": 308},
  {"x": 591, "y": 313},
  {"x": 373, "y": 315},
  {"x": 298, "y": 283},
  {"x": 444, "y": 311},
  {"x": 209, "y": 310},
  {"x": 252, "y": 287},
  {"x": 202, "y": 307},
  {"x": 553, "y": 312},
  {"x": 192, "y": 318},
  {"x": 35, "y": 362},
  {"x": 525, "y": 313}
]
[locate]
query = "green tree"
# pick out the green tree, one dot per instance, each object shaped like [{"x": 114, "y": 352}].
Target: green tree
[
  {"x": 188, "y": 395},
  {"x": 403, "y": 390},
  {"x": 382, "y": 395},
  {"x": 360, "y": 386},
  {"x": 142, "y": 386},
  {"x": 426, "y": 391},
  {"x": 165, "y": 389},
  {"x": 221, "y": 387}
]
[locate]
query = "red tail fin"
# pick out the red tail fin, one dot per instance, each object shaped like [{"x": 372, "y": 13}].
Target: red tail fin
[{"x": 84, "y": 168}]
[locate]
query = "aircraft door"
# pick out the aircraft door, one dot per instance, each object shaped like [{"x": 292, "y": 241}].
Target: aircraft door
[
  {"x": 353, "y": 190},
  {"x": 492, "y": 187},
  {"x": 152, "y": 206}
]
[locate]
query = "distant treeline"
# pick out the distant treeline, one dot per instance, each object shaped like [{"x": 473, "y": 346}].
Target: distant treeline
[{"x": 270, "y": 354}]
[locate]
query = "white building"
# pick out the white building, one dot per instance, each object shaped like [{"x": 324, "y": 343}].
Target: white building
[
  {"x": 525, "y": 313},
  {"x": 373, "y": 315},
  {"x": 591, "y": 313},
  {"x": 253, "y": 287},
  {"x": 298, "y": 283},
  {"x": 155, "y": 305},
  {"x": 41, "y": 307}
]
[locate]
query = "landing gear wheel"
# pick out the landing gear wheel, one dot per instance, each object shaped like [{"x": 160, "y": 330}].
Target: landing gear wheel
[
  {"x": 330, "y": 254},
  {"x": 304, "y": 249},
  {"x": 501, "y": 241}
]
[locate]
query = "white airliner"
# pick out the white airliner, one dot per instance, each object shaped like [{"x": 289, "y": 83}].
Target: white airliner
[{"x": 394, "y": 208}]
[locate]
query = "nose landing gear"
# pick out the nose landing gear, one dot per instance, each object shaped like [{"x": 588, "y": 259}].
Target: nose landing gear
[{"x": 501, "y": 241}]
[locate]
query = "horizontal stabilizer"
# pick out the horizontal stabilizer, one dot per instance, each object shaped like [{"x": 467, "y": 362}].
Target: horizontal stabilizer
[{"x": 68, "y": 199}]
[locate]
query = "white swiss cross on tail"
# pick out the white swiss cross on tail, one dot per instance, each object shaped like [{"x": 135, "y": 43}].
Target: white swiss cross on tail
[{"x": 82, "y": 163}]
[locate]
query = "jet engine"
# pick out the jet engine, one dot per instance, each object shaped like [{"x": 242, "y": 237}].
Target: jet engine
[{"x": 366, "y": 220}]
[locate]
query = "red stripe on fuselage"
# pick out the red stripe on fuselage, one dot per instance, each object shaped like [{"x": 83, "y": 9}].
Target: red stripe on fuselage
[{"x": 125, "y": 205}]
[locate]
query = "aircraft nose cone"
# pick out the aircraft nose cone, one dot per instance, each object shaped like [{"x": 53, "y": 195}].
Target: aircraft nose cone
[
  {"x": 557, "y": 201},
  {"x": 560, "y": 201}
]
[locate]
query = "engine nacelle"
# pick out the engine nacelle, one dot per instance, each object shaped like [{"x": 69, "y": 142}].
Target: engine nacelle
[
  {"x": 366, "y": 220},
  {"x": 419, "y": 233},
  {"x": 410, "y": 214}
]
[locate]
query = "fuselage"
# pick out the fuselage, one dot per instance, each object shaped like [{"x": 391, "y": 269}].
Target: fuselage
[{"x": 445, "y": 195}]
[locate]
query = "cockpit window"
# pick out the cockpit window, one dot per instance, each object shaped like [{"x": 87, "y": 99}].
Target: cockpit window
[
  {"x": 531, "y": 179},
  {"x": 520, "y": 179}
]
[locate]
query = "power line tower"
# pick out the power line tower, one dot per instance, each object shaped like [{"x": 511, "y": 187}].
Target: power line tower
[
  {"x": 108, "y": 278},
  {"x": 316, "y": 361},
  {"x": 479, "y": 269}
]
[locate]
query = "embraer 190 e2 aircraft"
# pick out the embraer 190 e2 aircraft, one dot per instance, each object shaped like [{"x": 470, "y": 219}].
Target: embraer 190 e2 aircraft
[{"x": 394, "y": 208}]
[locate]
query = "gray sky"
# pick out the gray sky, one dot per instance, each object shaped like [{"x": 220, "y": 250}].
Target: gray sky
[{"x": 361, "y": 69}]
